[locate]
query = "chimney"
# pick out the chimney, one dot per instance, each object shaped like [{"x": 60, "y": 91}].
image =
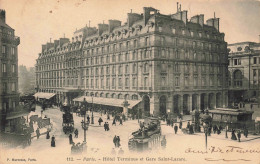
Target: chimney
[
  {"x": 214, "y": 22},
  {"x": 147, "y": 13},
  {"x": 44, "y": 47},
  {"x": 199, "y": 19},
  {"x": 113, "y": 24},
  {"x": 102, "y": 27},
  {"x": 2, "y": 16},
  {"x": 132, "y": 17}
]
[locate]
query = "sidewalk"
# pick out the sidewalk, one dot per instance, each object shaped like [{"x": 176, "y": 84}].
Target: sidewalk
[{"x": 221, "y": 136}]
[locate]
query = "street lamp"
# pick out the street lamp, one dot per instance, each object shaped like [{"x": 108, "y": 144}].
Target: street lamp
[
  {"x": 84, "y": 113},
  {"x": 92, "y": 117},
  {"x": 206, "y": 134}
]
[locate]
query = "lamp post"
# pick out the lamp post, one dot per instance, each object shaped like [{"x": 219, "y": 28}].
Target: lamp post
[
  {"x": 92, "y": 117},
  {"x": 206, "y": 134},
  {"x": 84, "y": 112}
]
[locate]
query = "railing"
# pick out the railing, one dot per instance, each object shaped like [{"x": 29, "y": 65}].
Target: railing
[{"x": 9, "y": 38}]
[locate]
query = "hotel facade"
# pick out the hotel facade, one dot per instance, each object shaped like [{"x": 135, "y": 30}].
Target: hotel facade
[{"x": 158, "y": 63}]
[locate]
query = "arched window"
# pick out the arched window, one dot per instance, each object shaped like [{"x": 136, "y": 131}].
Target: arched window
[
  {"x": 134, "y": 68},
  {"x": 146, "y": 67},
  {"x": 238, "y": 77}
]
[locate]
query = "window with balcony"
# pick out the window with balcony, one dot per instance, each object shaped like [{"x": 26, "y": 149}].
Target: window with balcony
[
  {"x": 114, "y": 70},
  {"x": 146, "y": 81},
  {"x": 96, "y": 84},
  {"x": 146, "y": 68},
  {"x": 120, "y": 70},
  {"x": 255, "y": 60},
  {"x": 127, "y": 82},
  {"x": 195, "y": 81},
  {"x": 107, "y": 82},
  {"x": 177, "y": 54},
  {"x": 126, "y": 69},
  {"x": 133, "y": 81},
  {"x": 3, "y": 49},
  {"x": 113, "y": 58},
  {"x": 177, "y": 81},
  {"x": 135, "y": 43},
  {"x": 134, "y": 68},
  {"x": 4, "y": 68},
  {"x": 13, "y": 68},
  {"x": 107, "y": 70}
]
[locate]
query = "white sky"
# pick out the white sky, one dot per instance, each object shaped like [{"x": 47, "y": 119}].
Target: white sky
[{"x": 35, "y": 24}]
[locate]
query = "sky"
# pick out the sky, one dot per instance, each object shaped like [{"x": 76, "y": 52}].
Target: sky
[{"x": 36, "y": 21}]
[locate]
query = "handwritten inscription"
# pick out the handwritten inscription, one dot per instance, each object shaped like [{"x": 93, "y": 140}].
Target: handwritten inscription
[{"x": 228, "y": 149}]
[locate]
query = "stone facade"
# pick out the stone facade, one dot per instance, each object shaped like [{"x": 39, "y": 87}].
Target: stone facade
[
  {"x": 244, "y": 71},
  {"x": 168, "y": 63},
  {"x": 9, "y": 97}
]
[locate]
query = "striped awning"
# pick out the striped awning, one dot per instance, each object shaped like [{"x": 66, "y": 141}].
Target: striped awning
[
  {"x": 43, "y": 95},
  {"x": 107, "y": 101}
]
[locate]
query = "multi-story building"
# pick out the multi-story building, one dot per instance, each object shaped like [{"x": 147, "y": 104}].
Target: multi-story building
[
  {"x": 9, "y": 97},
  {"x": 244, "y": 71},
  {"x": 159, "y": 63}
]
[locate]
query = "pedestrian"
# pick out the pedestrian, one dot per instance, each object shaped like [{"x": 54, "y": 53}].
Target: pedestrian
[
  {"x": 114, "y": 122},
  {"x": 118, "y": 141},
  {"x": 188, "y": 125},
  {"x": 115, "y": 141},
  {"x": 70, "y": 138},
  {"x": 238, "y": 135},
  {"x": 180, "y": 124},
  {"x": 76, "y": 132},
  {"x": 191, "y": 129},
  {"x": 38, "y": 133},
  {"x": 100, "y": 121},
  {"x": 215, "y": 128},
  {"x": 123, "y": 117},
  {"x": 218, "y": 130},
  {"x": 121, "y": 122},
  {"x": 53, "y": 141},
  {"x": 233, "y": 135},
  {"x": 246, "y": 132},
  {"x": 48, "y": 135},
  {"x": 251, "y": 106},
  {"x": 226, "y": 131},
  {"x": 121, "y": 151},
  {"x": 107, "y": 126},
  {"x": 88, "y": 118},
  {"x": 244, "y": 104},
  {"x": 175, "y": 128},
  {"x": 172, "y": 123}
]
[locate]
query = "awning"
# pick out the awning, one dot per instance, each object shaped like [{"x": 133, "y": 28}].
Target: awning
[
  {"x": 21, "y": 111},
  {"x": 107, "y": 101},
  {"x": 43, "y": 95}
]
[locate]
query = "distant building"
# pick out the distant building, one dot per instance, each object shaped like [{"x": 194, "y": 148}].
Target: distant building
[
  {"x": 9, "y": 97},
  {"x": 26, "y": 81},
  {"x": 244, "y": 71},
  {"x": 167, "y": 63}
]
